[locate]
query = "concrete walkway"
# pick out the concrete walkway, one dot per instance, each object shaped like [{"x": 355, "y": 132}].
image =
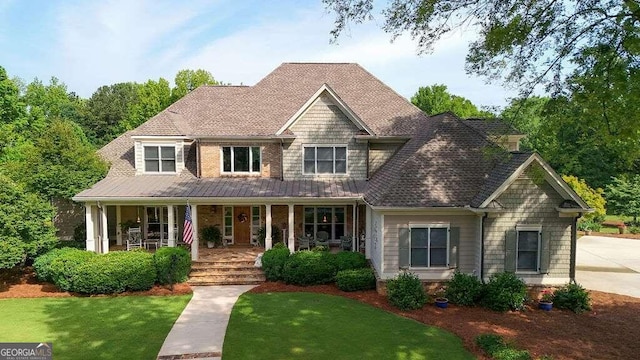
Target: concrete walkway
[
  {"x": 609, "y": 264},
  {"x": 201, "y": 327}
]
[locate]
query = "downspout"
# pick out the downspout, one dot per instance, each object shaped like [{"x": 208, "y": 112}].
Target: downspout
[
  {"x": 281, "y": 160},
  {"x": 198, "y": 171},
  {"x": 574, "y": 244},
  {"x": 368, "y": 150},
  {"x": 486, "y": 214}
]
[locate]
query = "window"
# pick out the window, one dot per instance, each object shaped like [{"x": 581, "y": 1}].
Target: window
[
  {"x": 241, "y": 159},
  {"x": 429, "y": 246},
  {"x": 228, "y": 222},
  {"x": 325, "y": 160},
  {"x": 329, "y": 219},
  {"x": 255, "y": 223},
  {"x": 528, "y": 249},
  {"x": 159, "y": 158},
  {"x": 157, "y": 222}
]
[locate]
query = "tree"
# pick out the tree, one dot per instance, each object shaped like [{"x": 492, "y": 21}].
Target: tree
[
  {"x": 152, "y": 97},
  {"x": 524, "y": 42},
  {"x": 593, "y": 198},
  {"x": 26, "y": 228},
  {"x": 623, "y": 196},
  {"x": 60, "y": 163},
  {"x": 436, "y": 99},
  {"x": 527, "y": 115},
  {"x": 106, "y": 108},
  {"x": 188, "y": 80}
]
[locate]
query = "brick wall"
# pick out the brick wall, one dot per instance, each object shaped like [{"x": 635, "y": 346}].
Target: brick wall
[{"x": 210, "y": 159}]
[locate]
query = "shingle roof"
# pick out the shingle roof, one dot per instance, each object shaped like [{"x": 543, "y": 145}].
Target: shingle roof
[
  {"x": 159, "y": 186},
  {"x": 499, "y": 175},
  {"x": 492, "y": 127},
  {"x": 444, "y": 165},
  {"x": 261, "y": 110}
]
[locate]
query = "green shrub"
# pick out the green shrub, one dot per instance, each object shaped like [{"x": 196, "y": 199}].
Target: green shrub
[
  {"x": 348, "y": 260},
  {"x": 12, "y": 252},
  {"x": 42, "y": 264},
  {"x": 464, "y": 289},
  {"x": 505, "y": 291},
  {"x": 273, "y": 261},
  {"x": 589, "y": 225},
  {"x": 310, "y": 268},
  {"x": 212, "y": 234},
  {"x": 405, "y": 292},
  {"x": 634, "y": 229},
  {"x": 320, "y": 248},
  {"x": 80, "y": 245},
  {"x": 495, "y": 347},
  {"x": 63, "y": 267},
  {"x": 115, "y": 272},
  {"x": 573, "y": 297},
  {"x": 172, "y": 264},
  {"x": 356, "y": 279}
]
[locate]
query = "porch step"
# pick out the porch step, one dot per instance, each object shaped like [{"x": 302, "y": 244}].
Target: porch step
[{"x": 227, "y": 271}]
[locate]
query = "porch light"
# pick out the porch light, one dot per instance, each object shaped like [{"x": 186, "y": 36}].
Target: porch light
[{"x": 324, "y": 218}]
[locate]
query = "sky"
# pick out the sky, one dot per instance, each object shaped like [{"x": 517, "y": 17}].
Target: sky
[{"x": 87, "y": 44}]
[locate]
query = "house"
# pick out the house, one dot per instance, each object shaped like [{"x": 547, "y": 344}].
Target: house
[{"x": 328, "y": 147}]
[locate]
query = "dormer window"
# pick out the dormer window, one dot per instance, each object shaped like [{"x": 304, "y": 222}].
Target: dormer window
[{"x": 159, "y": 159}]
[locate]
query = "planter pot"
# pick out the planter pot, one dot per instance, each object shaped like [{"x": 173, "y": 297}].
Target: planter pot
[
  {"x": 587, "y": 232},
  {"x": 545, "y": 305},
  {"x": 210, "y": 244},
  {"x": 442, "y": 303}
]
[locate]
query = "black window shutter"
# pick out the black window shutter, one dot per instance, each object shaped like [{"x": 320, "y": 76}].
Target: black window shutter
[{"x": 510, "y": 239}]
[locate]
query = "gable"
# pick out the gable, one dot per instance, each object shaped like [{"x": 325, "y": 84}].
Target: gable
[{"x": 325, "y": 96}]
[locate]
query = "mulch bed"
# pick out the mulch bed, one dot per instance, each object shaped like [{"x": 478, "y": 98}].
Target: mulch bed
[
  {"x": 24, "y": 284},
  {"x": 609, "y": 331}
]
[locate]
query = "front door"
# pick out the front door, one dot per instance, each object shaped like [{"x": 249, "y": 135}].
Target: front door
[{"x": 242, "y": 225}]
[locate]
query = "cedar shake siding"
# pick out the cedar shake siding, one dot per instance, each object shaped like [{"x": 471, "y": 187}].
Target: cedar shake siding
[
  {"x": 529, "y": 204},
  {"x": 467, "y": 247},
  {"x": 379, "y": 154},
  {"x": 210, "y": 160},
  {"x": 324, "y": 124}
]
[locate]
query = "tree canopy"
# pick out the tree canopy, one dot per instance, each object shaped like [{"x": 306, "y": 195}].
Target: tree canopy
[{"x": 436, "y": 99}]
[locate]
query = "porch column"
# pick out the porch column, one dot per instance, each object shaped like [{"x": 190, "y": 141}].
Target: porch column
[
  {"x": 88, "y": 216},
  {"x": 171, "y": 241},
  {"x": 369, "y": 231},
  {"x": 354, "y": 236},
  {"x": 292, "y": 239},
  {"x": 194, "y": 224},
  {"x": 118, "y": 226},
  {"x": 105, "y": 229},
  {"x": 268, "y": 239}
]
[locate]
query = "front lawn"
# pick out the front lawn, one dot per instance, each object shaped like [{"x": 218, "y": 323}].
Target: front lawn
[
  {"x": 317, "y": 326},
  {"x": 128, "y": 327}
]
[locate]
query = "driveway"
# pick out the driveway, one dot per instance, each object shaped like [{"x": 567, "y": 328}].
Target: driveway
[{"x": 609, "y": 264}]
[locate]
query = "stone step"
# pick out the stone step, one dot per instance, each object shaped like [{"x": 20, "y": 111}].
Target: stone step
[
  {"x": 224, "y": 282},
  {"x": 223, "y": 266},
  {"x": 226, "y": 272},
  {"x": 224, "y": 262}
]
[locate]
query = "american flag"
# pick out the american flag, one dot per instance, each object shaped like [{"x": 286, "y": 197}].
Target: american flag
[{"x": 187, "y": 235}]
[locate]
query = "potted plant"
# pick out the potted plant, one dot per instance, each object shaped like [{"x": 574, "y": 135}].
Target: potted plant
[
  {"x": 441, "y": 301},
  {"x": 546, "y": 300},
  {"x": 212, "y": 235}
]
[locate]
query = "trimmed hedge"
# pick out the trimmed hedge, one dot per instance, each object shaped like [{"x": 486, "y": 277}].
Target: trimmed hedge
[
  {"x": 495, "y": 346},
  {"x": 464, "y": 289},
  {"x": 573, "y": 297},
  {"x": 310, "y": 268},
  {"x": 172, "y": 265},
  {"x": 42, "y": 264},
  {"x": 356, "y": 279},
  {"x": 273, "y": 261},
  {"x": 405, "y": 292},
  {"x": 63, "y": 267},
  {"x": 115, "y": 272},
  {"x": 349, "y": 260}
]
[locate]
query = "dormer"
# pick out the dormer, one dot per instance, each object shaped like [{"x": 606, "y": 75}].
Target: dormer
[{"x": 159, "y": 155}]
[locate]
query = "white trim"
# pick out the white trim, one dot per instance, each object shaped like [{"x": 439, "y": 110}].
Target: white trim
[
  {"x": 331, "y": 201},
  {"x": 430, "y": 226},
  {"x": 253, "y": 240},
  {"x": 333, "y": 146},
  {"x": 232, "y": 152},
  {"x": 558, "y": 184},
  {"x": 341, "y": 105},
  {"x": 315, "y": 220},
  {"x": 160, "y": 137},
  {"x": 381, "y": 234}
]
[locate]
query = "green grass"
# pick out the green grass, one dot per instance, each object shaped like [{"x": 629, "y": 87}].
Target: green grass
[
  {"x": 317, "y": 326},
  {"x": 127, "y": 327},
  {"x": 618, "y": 218}
]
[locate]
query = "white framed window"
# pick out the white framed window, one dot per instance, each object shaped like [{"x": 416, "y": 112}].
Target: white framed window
[
  {"x": 159, "y": 158},
  {"x": 330, "y": 219},
  {"x": 228, "y": 222},
  {"x": 241, "y": 159},
  {"x": 255, "y": 223},
  {"x": 324, "y": 159},
  {"x": 528, "y": 246},
  {"x": 429, "y": 246},
  {"x": 157, "y": 222}
]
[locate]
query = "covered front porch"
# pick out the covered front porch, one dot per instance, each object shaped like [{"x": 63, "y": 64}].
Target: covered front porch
[{"x": 242, "y": 224}]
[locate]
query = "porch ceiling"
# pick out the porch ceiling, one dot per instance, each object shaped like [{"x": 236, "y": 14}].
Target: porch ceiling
[{"x": 174, "y": 187}]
